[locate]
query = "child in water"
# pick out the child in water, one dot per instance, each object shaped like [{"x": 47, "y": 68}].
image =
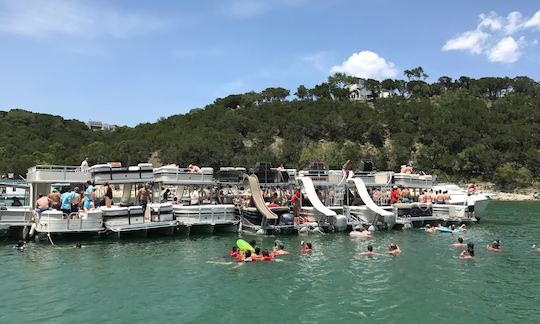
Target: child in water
[
  {"x": 305, "y": 247},
  {"x": 469, "y": 253},
  {"x": 393, "y": 249},
  {"x": 495, "y": 246}
]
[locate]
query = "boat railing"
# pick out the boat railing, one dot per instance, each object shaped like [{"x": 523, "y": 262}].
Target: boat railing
[{"x": 52, "y": 173}]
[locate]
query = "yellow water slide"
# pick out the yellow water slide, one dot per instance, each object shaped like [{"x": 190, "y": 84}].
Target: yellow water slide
[{"x": 258, "y": 199}]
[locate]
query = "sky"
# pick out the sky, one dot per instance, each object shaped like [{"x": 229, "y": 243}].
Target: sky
[{"x": 127, "y": 62}]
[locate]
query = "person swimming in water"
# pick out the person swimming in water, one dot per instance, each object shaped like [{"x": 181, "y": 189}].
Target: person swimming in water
[
  {"x": 305, "y": 247},
  {"x": 248, "y": 257},
  {"x": 253, "y": 243},
  {"x": 393, "y": 249},
  {"x": 234, "y": 252},
  {"x": 463, "y": 227},
  {"x": 279, "y": 248},
  {"x": 495, "y": 246},
  {"x": 266, "y": 256},
  {"x": 429, "y": 229},
  {"x": 469, "y": 253},
  {"x": 21, "y": 245},
  {"x": 459, "y": 243},
  {"x": 369, "y": 252}
]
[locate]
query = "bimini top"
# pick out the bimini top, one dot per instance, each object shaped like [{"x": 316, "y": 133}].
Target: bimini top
[
  {"x": 142, "y": 172},
  {"x": 174, "y": 175}
]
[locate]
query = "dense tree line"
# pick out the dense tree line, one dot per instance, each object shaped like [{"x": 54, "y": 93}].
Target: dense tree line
[{"x": 463, "y": 129}]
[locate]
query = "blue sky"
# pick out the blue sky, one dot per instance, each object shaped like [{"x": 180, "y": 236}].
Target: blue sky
[{"x": 127, "y": 62}]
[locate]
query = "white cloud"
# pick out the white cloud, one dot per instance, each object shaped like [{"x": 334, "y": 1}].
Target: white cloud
[
  {"x": 72, "y": 18},
  {"x": 471, "y": 41},
  {"x": 492, "y": 36},
  {"x": 366, "y": 64},
  {"x": 534, "y": 22},
  {"x": 506, "y": 51}
]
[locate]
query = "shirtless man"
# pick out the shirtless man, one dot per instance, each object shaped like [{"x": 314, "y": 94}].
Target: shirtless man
[
  {"x": 142, "y": 195},
  {"x": 446, "y": 197},
  {"x": 54, "y": 196},
  {"x": 422, "y": 197},
  {"x": 428, "y": 197},
  {"x": 43, "y": 203},
  {"x": 459, "y": 243}
]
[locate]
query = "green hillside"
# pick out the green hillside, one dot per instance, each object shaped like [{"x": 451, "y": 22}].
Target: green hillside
[{"x": 481, "y": 129}]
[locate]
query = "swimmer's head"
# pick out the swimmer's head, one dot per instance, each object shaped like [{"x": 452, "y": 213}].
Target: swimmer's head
[
  {"x": 265, "y": 253},
  {"x": 234, "y": 249},
  {"x": 78, "y": 245},
  {"x": 496, "y": 244},
  {"x": 370, "y": 248},
  {"x": 392, "y": 247},
  {"x": 428, "y": 226},
  {"x": 253, "y": 243},
  {"x": 20, "y": 243},
  {"x": 248, "y": 253},
  {"x": 460, "y": 240},
  {"x": 470, "y": 248},
  {"x": 258, "y": 250},
  {"x": 308, "y": 245}
]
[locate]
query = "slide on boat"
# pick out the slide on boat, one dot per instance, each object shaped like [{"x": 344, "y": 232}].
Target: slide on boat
[
  {"x": 257, "y": 198},
  {"x": 307, "y": 183},
  {"x": 366, "y": 198}
]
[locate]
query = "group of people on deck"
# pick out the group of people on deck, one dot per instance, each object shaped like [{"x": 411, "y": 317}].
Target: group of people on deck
[
  {"x": 72, "y": 200},
  {"x": 402, "y": 194}
]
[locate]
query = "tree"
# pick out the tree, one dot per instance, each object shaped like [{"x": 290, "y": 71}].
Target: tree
[
  {"x": 302, "y": 92},
  {"x": 416, "y": 74}
]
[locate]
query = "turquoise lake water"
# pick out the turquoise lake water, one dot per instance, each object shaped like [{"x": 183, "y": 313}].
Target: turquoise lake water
[{"x": 170, "y": 279}]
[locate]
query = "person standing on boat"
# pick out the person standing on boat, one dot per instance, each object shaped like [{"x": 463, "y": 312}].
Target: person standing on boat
[
  {"x": 89, "y": 196},
  {"x": 142, "y": 196},
  {"x": 55, "y": 198},
  {"x": 295, "y": 202},
  {"x": 84, "y": 165},
  {"x": 67, "y": 199},
  {"x": 194, "y": 196},
  {"x": 107, "y": 195},
  {"x": 394, "y": 195},
  {"x": 470, "y": 205},
  {"x": 345, "y": 169}
]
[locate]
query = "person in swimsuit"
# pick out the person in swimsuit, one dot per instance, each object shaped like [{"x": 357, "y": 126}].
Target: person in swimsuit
[{"x": 107, "y": 195}]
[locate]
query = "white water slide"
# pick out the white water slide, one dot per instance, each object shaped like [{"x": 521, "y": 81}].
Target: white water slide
[
  {"x": 307, "y": 183},
  {"x": 366, "y": 198}
]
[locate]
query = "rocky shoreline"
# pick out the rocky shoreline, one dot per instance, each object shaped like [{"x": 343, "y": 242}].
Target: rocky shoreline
[{"x": 523, "y": 194}]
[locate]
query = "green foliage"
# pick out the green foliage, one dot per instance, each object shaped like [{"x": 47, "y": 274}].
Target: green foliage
[
  {"x": 507, "y": 177},
  {"x": 460, "y": 129}
]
